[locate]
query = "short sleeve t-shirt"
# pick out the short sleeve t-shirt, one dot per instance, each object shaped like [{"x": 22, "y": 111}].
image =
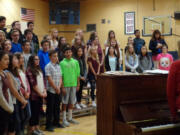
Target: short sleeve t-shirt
[
  {"x": 70, "y": 72},
  {"x": 165, "y": 61},
  {"x": 95, "y": 65}
]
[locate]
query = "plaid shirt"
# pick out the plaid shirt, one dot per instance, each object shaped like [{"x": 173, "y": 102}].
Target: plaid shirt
[{"x": 54, "y": 71}]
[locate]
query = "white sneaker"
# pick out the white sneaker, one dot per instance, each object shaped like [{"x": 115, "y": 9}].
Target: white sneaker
[
  {"x": 78, "y": 107},
  {"x": 93, "y": 104},
  {"x": 83, "y": 105},
  {"x": 65, "y": 123}
]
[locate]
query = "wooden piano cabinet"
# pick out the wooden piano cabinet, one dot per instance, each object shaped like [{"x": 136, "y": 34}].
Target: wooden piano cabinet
[{"x": 113, "y": 90}]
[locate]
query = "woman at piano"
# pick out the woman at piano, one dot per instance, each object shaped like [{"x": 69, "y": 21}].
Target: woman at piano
[
  {"x": 173, "y": 90},
  {"x": 145, "y": 61},
  {"x": 131, "y": 60}
]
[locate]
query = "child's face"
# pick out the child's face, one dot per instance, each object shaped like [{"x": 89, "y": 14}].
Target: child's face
[
  {"x": 7, "y": 46},
  {"x": 31, "y": 27},
  {"x": 17, "y": 25},
  {"x": 29, "y": 36},
  {"x": 36, "y": 61},
  {"x": 45, "y": 47},
  {"x": 96, "y": 41},
  {"x": 27, "y": 47},
  {"x": 63, "y": 41},
  {"x": 130, "y": 41},
  {"x": 131, "y": 49},
  {"x": 112, "y": 35},
  {"x": 15, "y": 62},
  {"x": 111, "y": 50},
  {"x": 21, "y": 60},
  {"x": 164, "y": 49},
  {"x": 15, "y": 36},
  {"x": 157, "y": 36},
  {"x": 4, "y": 62},
  {"x": 137, "y": 34},
  {"x": 55, "y": 33},
  {"x": 78, "y": 40},
  {"x": 143, "y": 50},
  {"x": 113, "y": 43},
  {"x": 2, "y": 38},
  {"x": 68, "y": 54},
  {"x": 54, "y": 58},
  {"x": 3, "y": 23},
  {"x": 80, "y": 52}
]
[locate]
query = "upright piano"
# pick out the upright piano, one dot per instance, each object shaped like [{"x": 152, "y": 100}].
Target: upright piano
[{"x": 131, "y": 104}]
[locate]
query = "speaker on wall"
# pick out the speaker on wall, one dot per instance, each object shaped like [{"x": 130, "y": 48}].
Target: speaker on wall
[{"x": 177, "y": 15}]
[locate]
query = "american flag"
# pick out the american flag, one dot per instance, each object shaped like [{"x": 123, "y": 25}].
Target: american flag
[{"x": 27, "y": 14}]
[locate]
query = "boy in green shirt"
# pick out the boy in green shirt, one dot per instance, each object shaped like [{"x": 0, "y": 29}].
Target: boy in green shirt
[{"x": 70, "y": 76}]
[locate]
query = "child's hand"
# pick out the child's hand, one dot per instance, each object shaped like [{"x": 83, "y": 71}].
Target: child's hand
[
  {"x": 27, "y": 95},
  {"x": 44, "y": 94},
  {"x": 58, "y": 91},
  {"x": 77, "y": 88},
  {"x": 83, "y": 79},
  {"x": 63, "y": 91},
  {"x": 24, "y": 103}
]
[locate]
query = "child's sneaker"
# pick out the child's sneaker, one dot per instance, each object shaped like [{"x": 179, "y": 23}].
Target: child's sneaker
[
  {"x": 73, "y": 121},
  {"x": 93, "y": 104},
  {"x": 83, "y": 105},
  {"x": 65, "y": 124},
  {"x": 78, "y": 106}
]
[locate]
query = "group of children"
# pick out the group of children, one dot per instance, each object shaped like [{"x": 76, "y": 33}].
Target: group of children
[
  {"x": 57, "y": 72},
  {"x": 137, "y": 58}
]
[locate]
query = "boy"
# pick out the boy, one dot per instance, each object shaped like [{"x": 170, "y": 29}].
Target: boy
[
  {"x": 70, "y": 76},
  {"x": 30, "y": 26},
  {"x": 54, "y": 81},
  {"x": 26, "y": 52},
  {"x": 29, "y": 37},
  {"x": 43, "y": 55},
  {"x": 16, "y": 46},
  {"x": 3, "y": 24},
  {"x": 138, "y": 42}
]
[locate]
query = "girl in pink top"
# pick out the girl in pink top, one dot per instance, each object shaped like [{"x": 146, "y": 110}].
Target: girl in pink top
[{"x": 164, "y": 59}]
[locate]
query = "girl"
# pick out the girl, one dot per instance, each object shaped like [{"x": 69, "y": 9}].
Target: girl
[
  {"x": 79, "y": 33},
  {"x": 78, "y": 43},
  {"x": 164, "y": 59},
  {"x": 130, "y": 41},
  {"x": 111, "y": 35},
  {"x": 47, "y": 37},
  {"x": 131, "y": 60},
  {"x": 145, "y": 62},
  {"x": 83, "y": 73},
  {"x": 15, "y": 120},
  {"x": 118, "y": 51},
  {"x": 6, "y": 45},
  {"x": 61, "y": 45},
  {"x": 155, "y": 45},
  {"x": 25, "y": 90},
  {"x": 93, "y": 71},
  {"x": 111, "y": 60},
  {"x": 96, "y": 44},
  {"x": 38, "y": 92},
  {"x": 54, "y": 38},
  {"x": 6, "y": 104},
  {"x": 2, "y": 38},
  {"x": 92, "y": 36}
]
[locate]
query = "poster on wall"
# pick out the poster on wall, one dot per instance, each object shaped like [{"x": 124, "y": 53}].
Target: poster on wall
[{"x": 129, "y": 23}]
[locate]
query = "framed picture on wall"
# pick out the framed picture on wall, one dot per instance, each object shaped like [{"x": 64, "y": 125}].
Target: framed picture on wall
[{"x": 129, "y": 23}]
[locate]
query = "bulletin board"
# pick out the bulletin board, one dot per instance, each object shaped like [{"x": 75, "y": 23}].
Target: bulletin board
[{"x": 162, "y": 23}]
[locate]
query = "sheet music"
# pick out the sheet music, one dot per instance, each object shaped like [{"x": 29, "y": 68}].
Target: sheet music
[
  {"x": 156, "y": 71},
  {"x": 120, "y": 73}
]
